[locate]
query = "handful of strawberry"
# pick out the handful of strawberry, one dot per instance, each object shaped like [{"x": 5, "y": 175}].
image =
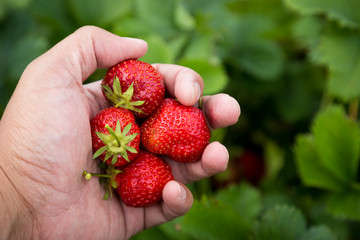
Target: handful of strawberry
[{"x": 129, "y": 151}]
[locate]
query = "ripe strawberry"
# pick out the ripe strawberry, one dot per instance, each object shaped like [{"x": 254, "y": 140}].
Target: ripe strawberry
[
  {"x": 134, "y": 85},
  {"x": 175, "y": 130},
  {"x": 249, "y": 166},
  {"x": 140, "y": 183},
  {"x": 115, "y": 136}
]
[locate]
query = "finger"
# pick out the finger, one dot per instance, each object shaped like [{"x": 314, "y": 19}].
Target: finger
[
  {"x": 177, "y": 200},
  {"x": 213, "y": 161},
  {"x": 221, "y": 110},
  {"x": 81, "y": 53},
  {"x": 181, "y": 82},
  {"x": 95, "y": 97}
]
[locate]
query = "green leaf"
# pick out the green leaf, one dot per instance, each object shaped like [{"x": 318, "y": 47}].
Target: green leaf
[
  {"x": 126, "y": 129},
  {"x": 319, "y": 233},
  {"x": 182, "y": 17},
  {"x": 311, "y": 170},
  {"x": 337, "y": 143},
  {"x": 345, "y": 11},
  {"x": 339, "y": 50},
  {"x": 261, "y": 58},
  {"x": 116, "y": 87},
  {"x": 99, "y": 12},
  {"x": 244, "y": 198},
  {"x": 100, "y": 151},
  {"x": 150, "y": 234},
  {"x": 212, "y": 220},
  {"x": 280, "y": 223},
  {"x": 131, "y": 27},
  {"x": 201, "y": 46},
  {"x": 55, "y": 15},
  {"x": 114, "y": 159},
  {"x": 158, "y": 50},
  {"x": 274, "y": 160},
  {"x": 5, "y": 5},
  {"x": 157, "y": 16},
  {"x": 218, "y": 134},
  {"x": 345, "y": 205},
  {"x": 307, "y": 31},
  {"x": 214, "y": 75},
  {"x": 130, "y": 149},
  {"x": 27, "y": 49},
  {"x": 173, "y": 231},
  {"x": 103, "y": 137},
  {"x": 299, "y": 95}
]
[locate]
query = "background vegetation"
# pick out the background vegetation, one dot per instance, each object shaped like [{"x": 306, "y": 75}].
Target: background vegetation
[{"x": 294, "y": 67}]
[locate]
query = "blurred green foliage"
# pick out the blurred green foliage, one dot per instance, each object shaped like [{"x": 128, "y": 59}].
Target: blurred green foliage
[{"x": 294, "y": 67}]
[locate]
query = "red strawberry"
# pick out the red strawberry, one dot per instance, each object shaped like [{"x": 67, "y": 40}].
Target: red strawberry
[
  {"x": 249, "y": 166},
  {"x": 175, "y": 130},
  {"x": 134, "y": 85},
  {"x": 115, "y": 136},
  {"x": 140, "y": 183}
]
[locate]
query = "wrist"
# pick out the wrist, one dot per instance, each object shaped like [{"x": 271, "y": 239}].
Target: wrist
[{"x": 16, "y": 216}]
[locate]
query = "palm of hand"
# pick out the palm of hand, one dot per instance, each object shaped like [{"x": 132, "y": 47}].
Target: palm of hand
[{"x": 52, "y": 169}]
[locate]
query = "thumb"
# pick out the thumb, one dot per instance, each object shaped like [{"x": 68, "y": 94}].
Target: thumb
[{"x": 77, "y": 56}]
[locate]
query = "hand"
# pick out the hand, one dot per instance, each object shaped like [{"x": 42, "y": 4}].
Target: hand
[{"x": 45, "y": 145}]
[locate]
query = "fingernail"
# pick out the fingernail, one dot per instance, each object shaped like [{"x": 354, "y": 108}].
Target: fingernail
[
  {"x": 182, "y": 192},
  {"x": 196, "y": 90},
  {"x": 137, "y": 41}
]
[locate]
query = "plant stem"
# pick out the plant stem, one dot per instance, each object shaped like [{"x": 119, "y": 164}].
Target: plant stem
[{"x": 353, "y": 109}]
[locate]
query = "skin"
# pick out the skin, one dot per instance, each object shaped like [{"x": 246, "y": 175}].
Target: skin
[{"x": 45, "y": 145}]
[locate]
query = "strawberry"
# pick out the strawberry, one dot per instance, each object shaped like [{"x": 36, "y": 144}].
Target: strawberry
[
  {"x": 134, "y": 85},
  {"x": 115, "y": 136},
  {"x": 140, "y": 183},
  {"x": 175, "y": 130}
]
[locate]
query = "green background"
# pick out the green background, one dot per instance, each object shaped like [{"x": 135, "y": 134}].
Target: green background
[{"x": 294, "y": 67}]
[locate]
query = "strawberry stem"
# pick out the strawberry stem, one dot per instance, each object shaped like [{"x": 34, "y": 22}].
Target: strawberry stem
[
  {"x": 116, "y": 143},
  {"x": 114, "y": 134},
  {"x": 108, "y": 179},
  {"x": 122, "y": 99},
  {"x": 88, "y": 175}
]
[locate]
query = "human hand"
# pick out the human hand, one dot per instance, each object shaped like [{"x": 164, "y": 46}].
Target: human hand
[{"x": 45, "y": 145}]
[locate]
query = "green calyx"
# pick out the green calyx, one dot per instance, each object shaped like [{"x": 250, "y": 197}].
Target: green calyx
[
  {"x": 116, "y": 142},
  {"x": 108, "y": 179},
  {"x": 120, "y": 99}
]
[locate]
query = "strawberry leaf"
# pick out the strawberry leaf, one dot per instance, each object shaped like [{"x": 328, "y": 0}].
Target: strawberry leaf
[
  {"x": 214, "y": 74},
  {"x": 341, "y": 44},
  {"x": 312, "y": 172},
  {"x": 107, "y": 194},
  {"x": 107, "y": 90},
  {"x": 103, "y": 137},
  {"x": 126, "y": 129},
  {"x": 244, "y": 199},
  {"x": 319, "y": 233},
  {"x": 116, "y": 86},
  {"x": 131, "y": 137},
  {"x": 337, "y": 140},
  {"x": 337, "y": 10},
  {"x": 345, "y": 205},
  {"x": 114, "y": 159},
  {"x": 120, "y": 99},
  {"x": 280, "y": 222},
  {"x": 125, "y": 156},
  {"x": 114, "y": 184},
  {"x": 137, "y": 103},
  {"x": 210, "y": 219},
  {"x": 108, "y": 155},
  {"x": 100, "y": 151},
  {"x": 130, "y": 149},
  {"x": 129, "y": 92}
]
